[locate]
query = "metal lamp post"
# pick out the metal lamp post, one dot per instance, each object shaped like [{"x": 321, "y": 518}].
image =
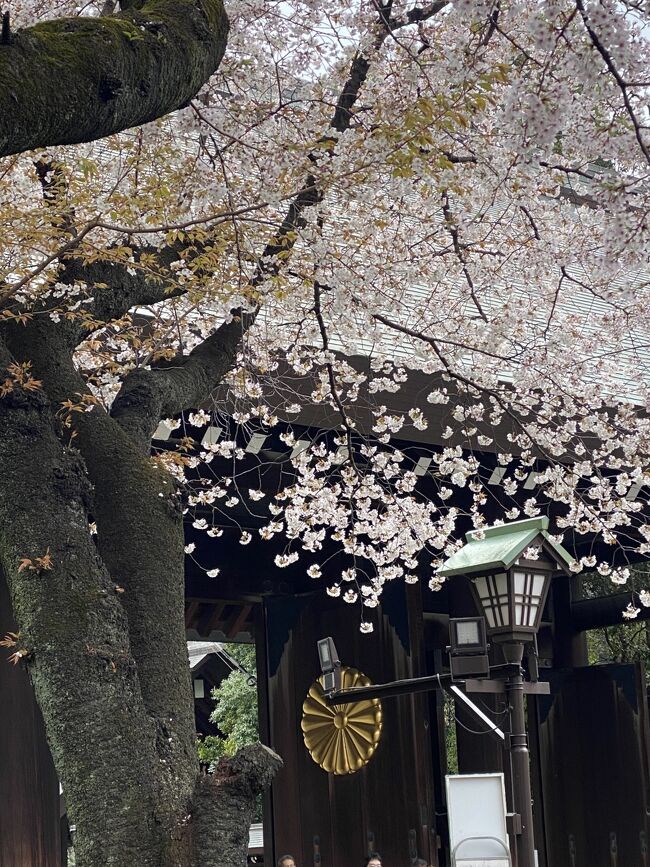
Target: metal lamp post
[{"x": 511, "y": 567}]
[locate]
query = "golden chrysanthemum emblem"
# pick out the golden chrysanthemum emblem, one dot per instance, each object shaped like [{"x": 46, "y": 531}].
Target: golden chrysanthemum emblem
[{"x": 343, "y": 738}]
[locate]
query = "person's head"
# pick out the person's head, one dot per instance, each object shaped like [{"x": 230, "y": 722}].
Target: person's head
[
  {"x": 373, "y": 860},
  {"x": 420, "y": 862},
  {"x": 286, "y": 861}
]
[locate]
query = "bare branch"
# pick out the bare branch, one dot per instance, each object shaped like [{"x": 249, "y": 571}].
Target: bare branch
[
  {"x": 418, "y": 335},
  {"x": 533, "y": 224},
  {"x": 10, "y": 290},
  {"x": 318, "y": 313},
  {"x": 460, "y": 253},
  {"x": 358, "y": 73},
  {"x": 419, "y": 13}
]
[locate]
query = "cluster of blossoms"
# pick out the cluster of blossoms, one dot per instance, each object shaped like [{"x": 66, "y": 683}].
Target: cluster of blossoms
[{"x": 366, "y": 500}]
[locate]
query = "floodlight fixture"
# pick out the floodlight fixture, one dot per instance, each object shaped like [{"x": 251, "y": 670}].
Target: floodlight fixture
[
  {"x": 330, "y": 665},
  {"x": 468, "y": 648},
  {"x": 467, "y": 636}
]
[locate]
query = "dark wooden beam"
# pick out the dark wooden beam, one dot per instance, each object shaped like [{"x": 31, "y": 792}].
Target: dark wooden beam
[
  {"x": 208, "y": 618},
  {"x": 237, "y": 621},
  {"x": 603, "y": 611},
  {"x": 191, "y": 610},
  {"x": 569, "y": 640}
]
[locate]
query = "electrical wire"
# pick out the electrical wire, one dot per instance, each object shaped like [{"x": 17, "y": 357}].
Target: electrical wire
[
  {"x": 471, "y": 731},
  {"x": 233, "y": 665},
  {"x": 490, "y": 710}
]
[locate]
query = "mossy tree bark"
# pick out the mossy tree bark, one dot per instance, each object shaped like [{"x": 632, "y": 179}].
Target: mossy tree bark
[
  {"x": 102, "y": 628},
  {"x": 74, "y": 633},
  {"x": 79, "y": 79}
]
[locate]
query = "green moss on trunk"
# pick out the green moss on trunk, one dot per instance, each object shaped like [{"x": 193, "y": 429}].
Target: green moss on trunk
[
  {"x": 140, "y": 541},
  {"x": 75, "y": 633},
  {"x": 79, "y": 79}
]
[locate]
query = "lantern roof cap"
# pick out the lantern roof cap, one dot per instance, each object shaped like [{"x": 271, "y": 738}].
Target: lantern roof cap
[{"x": 498, "y": 548}]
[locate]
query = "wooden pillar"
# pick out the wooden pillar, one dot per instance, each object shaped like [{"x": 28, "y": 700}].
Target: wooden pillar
[
  {"x": 425, "y": 844},
  {"x": 30, "y": 832},
  {"x": 569, "y": 645},
  {"x": 264, "y": 727}
]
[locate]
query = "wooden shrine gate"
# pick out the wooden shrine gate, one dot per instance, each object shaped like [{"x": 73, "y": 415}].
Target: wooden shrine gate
[
  {"x": 589, "y": 744},
  {"x": 30, "y": 827},
  {"x": 592, "y": 768}
]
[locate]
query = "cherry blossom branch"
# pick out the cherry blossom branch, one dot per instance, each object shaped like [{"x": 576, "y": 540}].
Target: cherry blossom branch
[
  {"x": 533, "y": 224},
  {"x": 567, "y": 170},
  {"x": 318, "y": 313},
  {"x": 556, "y": 296},
  {"x": 418, "y": 335},
  {"x": 171, "y": 387},
  {"x": 418, "y": 14},
  {"x": 214, "y": 220},
  {"x": 466, "y": 381},
  {"x": 117, "y": 288},
  {"x": 122, "y": 287},
  {"x": 361, "y": 64},
  {"x": 618, "y": 78},
  {"x": 70, "y": 245},
  {"x": 55, "y": 187},
  {"x": 453, "y": 231}
]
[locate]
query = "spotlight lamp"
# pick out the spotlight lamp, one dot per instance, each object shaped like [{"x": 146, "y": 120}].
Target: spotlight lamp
[
  {"x": 468, "y": 648},
  {"x": 467, "y": 636},
  {"x": 330, "y": 665}
]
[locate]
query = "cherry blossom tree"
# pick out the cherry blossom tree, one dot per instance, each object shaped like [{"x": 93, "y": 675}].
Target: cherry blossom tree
[{"x": 422, "y": 223}]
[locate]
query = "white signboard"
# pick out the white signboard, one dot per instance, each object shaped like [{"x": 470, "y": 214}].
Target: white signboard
[{"x": 476, "y": 805}]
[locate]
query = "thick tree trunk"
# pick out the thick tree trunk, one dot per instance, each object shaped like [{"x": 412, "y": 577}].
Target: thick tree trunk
[
  {"x": 140, "y": 538},
  {"x": 106, "y": 646},
  {"x": 74, "y": 632},
  {"x": 79, "y": 79},
  {"x": 224, "y": 804}
]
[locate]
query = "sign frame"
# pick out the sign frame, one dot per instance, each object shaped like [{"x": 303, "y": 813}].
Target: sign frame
[{"x": 493, "y": 829}]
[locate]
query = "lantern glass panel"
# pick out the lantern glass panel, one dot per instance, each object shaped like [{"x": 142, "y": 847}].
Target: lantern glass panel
[
  {"x": 324, "y": 653},
  {"x": 492, "y": 591},
  {"x": 528, "y": 588},
  {"x": 482, "y": 591}
]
